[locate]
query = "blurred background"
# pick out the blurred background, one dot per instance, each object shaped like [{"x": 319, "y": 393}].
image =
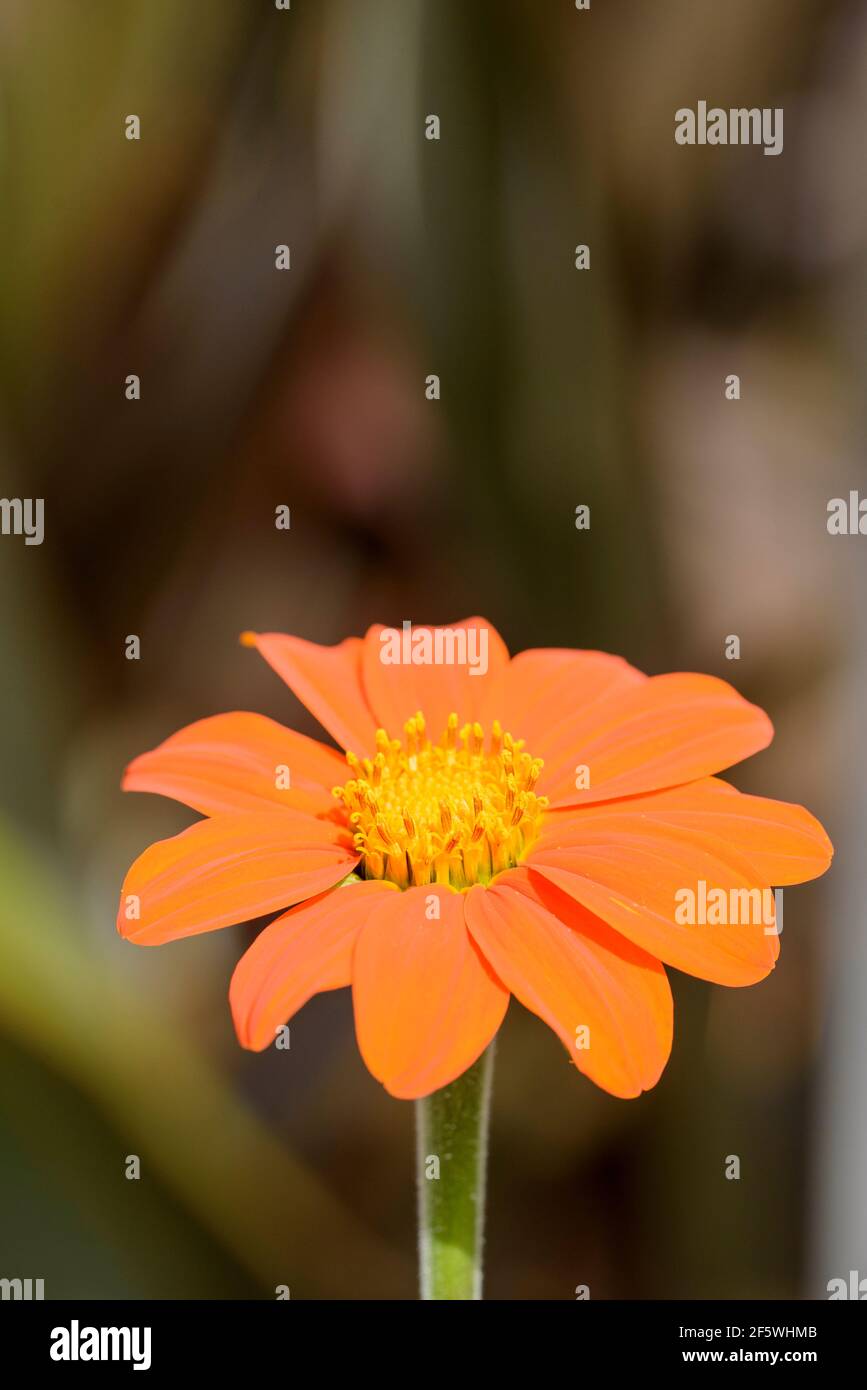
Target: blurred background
[{"x": 306, "y": 388}]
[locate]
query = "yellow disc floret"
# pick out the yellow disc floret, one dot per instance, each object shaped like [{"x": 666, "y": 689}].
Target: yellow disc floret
[{"x": 451, "y": 812}]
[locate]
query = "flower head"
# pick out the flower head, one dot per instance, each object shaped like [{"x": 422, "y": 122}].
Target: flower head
[{"x": 533, "y": 829}]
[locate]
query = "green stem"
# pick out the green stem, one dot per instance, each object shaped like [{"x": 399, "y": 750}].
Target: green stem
[{"x": 451, "y": 1154}]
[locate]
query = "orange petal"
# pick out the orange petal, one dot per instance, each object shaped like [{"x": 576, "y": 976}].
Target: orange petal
[
  {"x": 426, "y": 1004},
  {"x": 576, "y": 974},
  {"x": 633, "y": 878},
  {"x": 664, "y": 732},
  {"x": 307, "y": 950},
  {"x": 229, "y": 869},
  {"x": 327, "y": 680},
  {"x": 230, "y": 763},
  {"x": 546, "y": 685},
  {"x": 783, "y": 843},
  {"x": 396, "y": 691}
]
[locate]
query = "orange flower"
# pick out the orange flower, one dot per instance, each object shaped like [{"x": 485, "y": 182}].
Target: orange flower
[{"x": 524, "y": 827}]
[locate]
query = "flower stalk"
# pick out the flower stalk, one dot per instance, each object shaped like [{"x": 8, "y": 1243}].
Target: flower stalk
[{"x": 451, "y": 1158}]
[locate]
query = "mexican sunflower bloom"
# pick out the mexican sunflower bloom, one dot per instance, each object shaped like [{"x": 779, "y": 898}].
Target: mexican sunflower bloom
[
  {"x": 528, "y": 826},
  {"x": 523, "y": 830}
]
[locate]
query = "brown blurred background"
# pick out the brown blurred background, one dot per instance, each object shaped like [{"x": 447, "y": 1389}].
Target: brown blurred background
[{"x": 306, "y": 388}]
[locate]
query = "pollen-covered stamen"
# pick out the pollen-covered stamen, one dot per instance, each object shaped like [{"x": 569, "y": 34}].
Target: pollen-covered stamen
[{"x": 447, "y": 812}]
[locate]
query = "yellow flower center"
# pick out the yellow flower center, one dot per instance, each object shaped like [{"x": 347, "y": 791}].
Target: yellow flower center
[{"x": 451, "y": 812}]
